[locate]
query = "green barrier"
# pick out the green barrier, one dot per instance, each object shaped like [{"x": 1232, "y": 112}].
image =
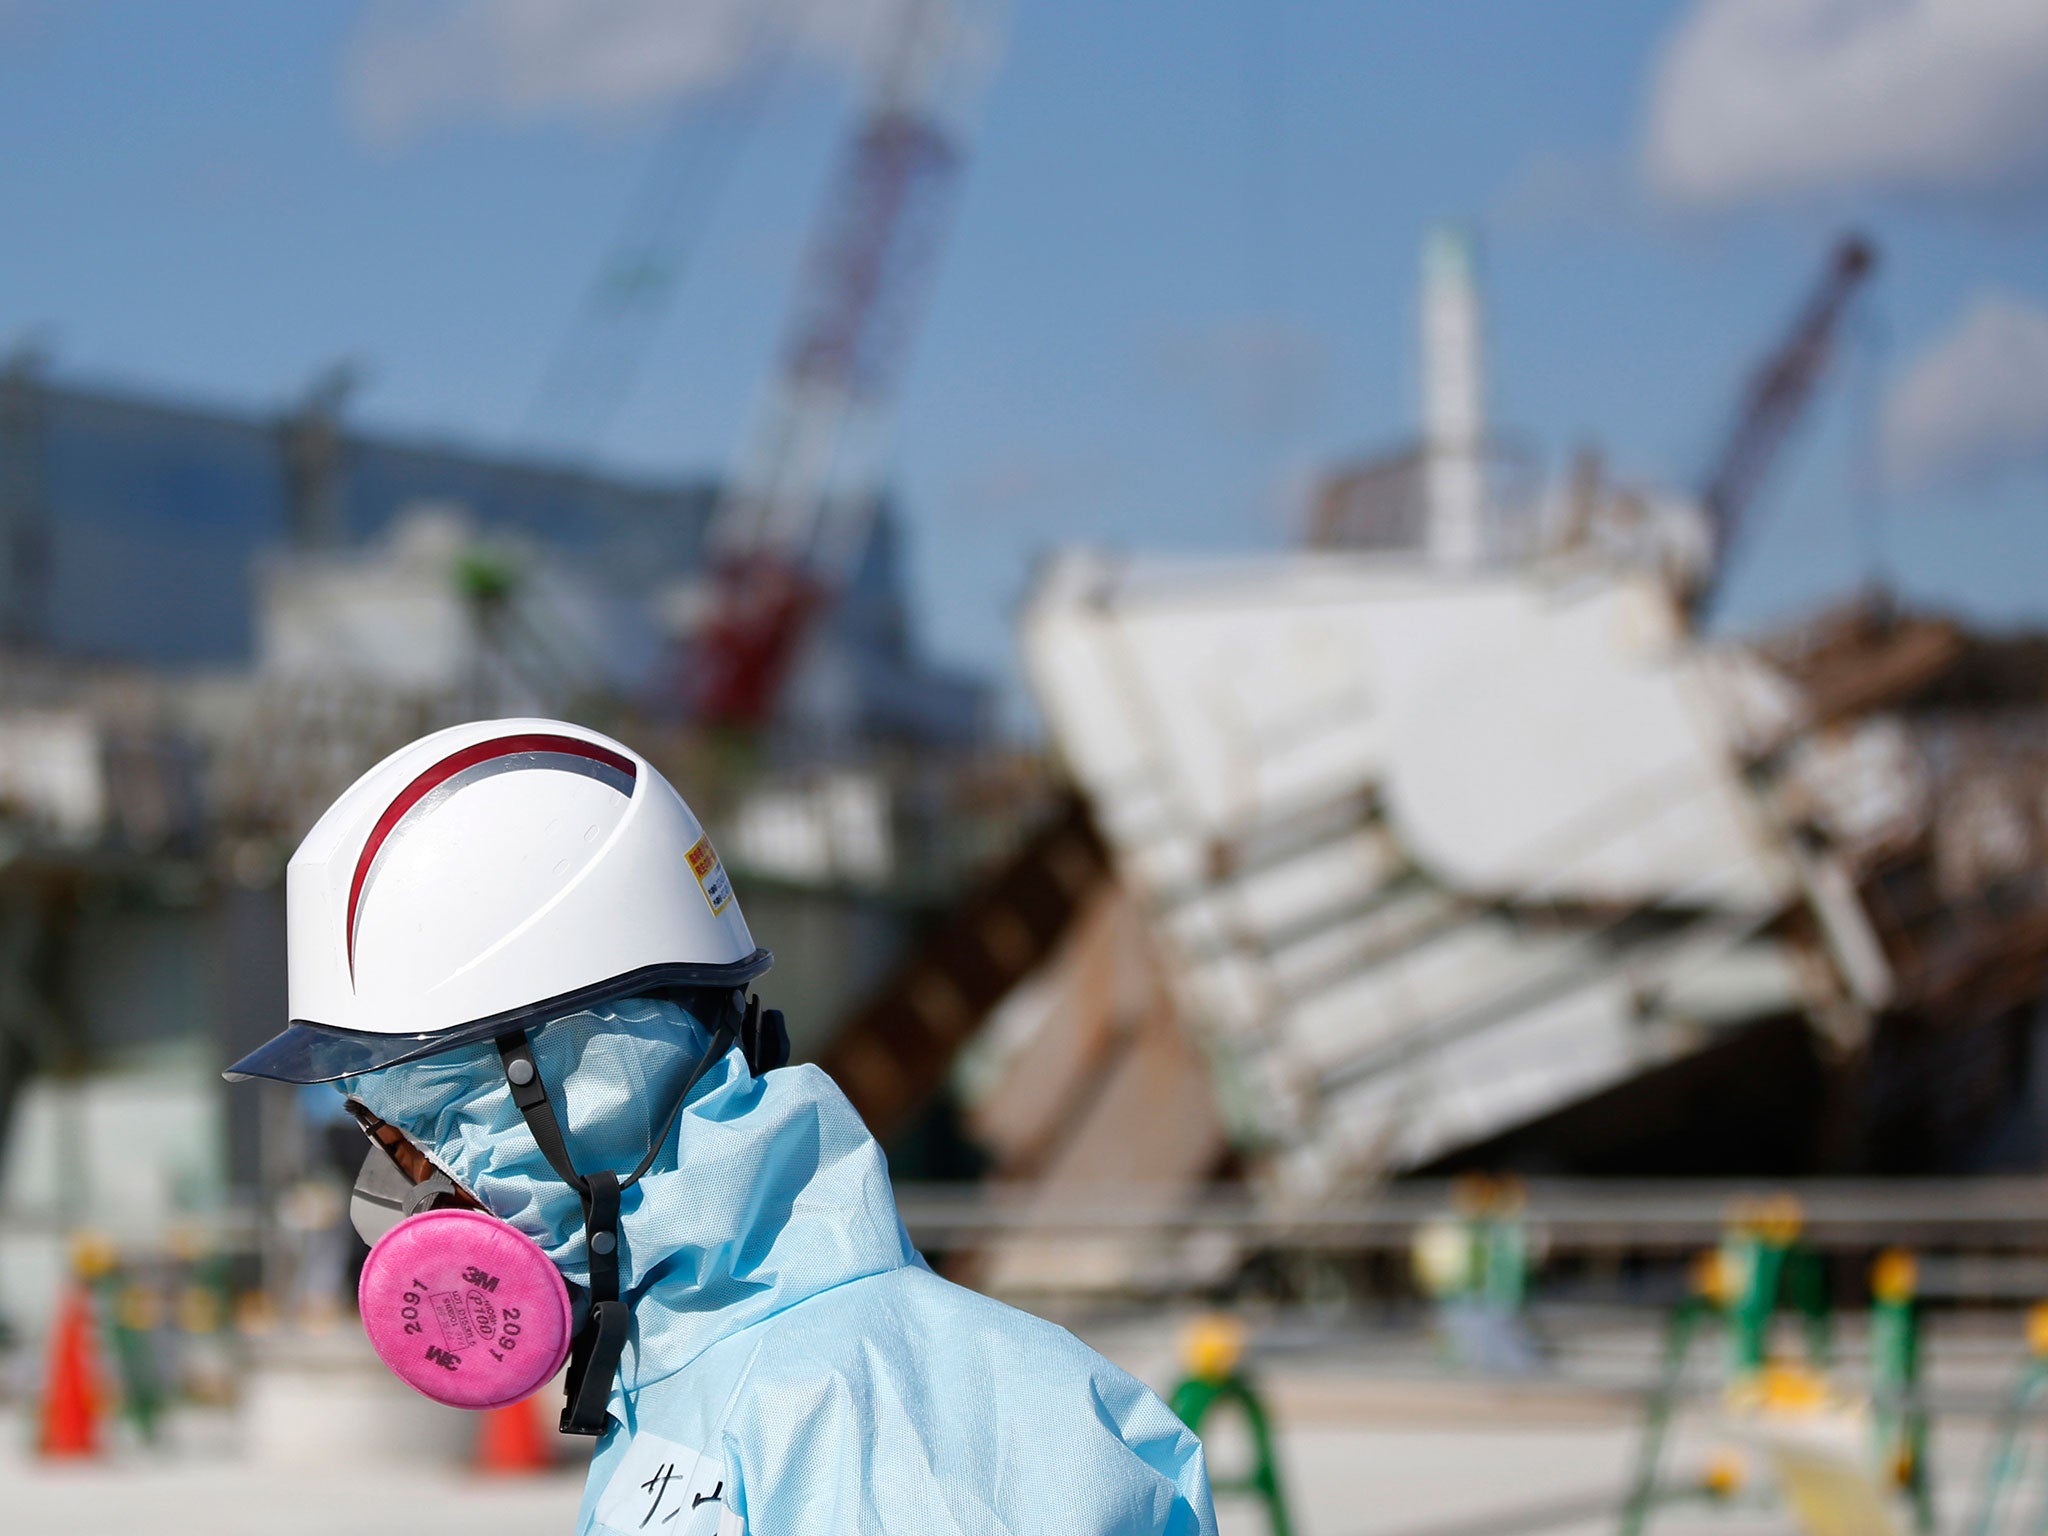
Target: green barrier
[
  {"x": 2005, "y": 1474},
  {"x": 1760, "y": 1272},
  {"x": 1213, "y": 1348},
  {"x": 1767, "y": 1270},
  {"x": 1643, "y": 1491},
  {"x": 1474, "y": 1263},
  {"x": 124, "y": 1318},
  {"x": 128, "y": 1310}
]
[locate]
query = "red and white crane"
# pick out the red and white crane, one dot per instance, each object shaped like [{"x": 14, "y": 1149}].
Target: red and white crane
[
  {"x": 797, "y": 511},
  {"x": 1776, "y": 397}
]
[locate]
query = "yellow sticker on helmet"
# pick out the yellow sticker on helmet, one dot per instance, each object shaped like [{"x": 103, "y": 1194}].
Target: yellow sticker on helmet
[{"x": 711, "y": 876}]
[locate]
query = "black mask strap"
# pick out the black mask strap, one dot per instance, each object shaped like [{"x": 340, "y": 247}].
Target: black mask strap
[
  {"x": 594, "y": 1358},
  {"x": 530, "y": 1097},
  {"x": 764, "y": 1038},
  {"x": 601, "y": 1341}
]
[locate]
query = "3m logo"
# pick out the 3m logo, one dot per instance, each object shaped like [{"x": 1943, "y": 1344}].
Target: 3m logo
[{"x": 711, "y": 876}]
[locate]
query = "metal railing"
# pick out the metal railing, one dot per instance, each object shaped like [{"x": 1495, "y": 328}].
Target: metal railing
[{"x": 1986, "y": 1215}]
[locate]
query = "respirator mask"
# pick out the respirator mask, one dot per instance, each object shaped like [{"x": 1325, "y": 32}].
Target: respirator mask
[
  {"x": 464, "y": 1307},
  {"x": 472, "y": 1312}
]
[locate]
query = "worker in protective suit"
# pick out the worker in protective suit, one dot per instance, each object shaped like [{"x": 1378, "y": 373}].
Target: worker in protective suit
[{"x": 514, "y": 950}]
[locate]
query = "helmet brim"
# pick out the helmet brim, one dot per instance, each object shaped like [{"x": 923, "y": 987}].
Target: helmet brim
[{"x": 311, "y": 1052}]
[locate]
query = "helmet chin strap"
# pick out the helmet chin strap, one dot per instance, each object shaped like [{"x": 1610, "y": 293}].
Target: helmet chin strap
[{"x": 599, "y": 1343}]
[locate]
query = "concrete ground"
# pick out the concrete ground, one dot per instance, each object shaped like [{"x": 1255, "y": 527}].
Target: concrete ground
[
  {"x": 1377, "y": 1438},
  {"x": 1352, "y": 1479},
  {"x": 215, "y": 1498}
]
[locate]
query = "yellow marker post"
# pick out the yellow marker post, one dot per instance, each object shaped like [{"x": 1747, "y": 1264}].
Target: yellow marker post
[
  {"x": 1212, "y": 1350},
  {"x": 1899, "y": 1419}
]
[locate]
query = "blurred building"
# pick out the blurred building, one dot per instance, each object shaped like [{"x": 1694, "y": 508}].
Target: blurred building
[{"x": 129, "y": 528}]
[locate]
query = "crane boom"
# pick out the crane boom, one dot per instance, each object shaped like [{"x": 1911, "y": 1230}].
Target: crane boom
[
  {"x": 1772, "y": 403},
  {"x": 795, "y": 516}
]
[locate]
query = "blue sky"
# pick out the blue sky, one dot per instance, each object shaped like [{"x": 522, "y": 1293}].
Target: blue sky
[{"x": 1182, "y": 274}]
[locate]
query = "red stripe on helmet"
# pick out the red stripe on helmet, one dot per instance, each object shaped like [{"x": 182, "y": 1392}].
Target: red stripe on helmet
[{"x": 441, "y": 773}]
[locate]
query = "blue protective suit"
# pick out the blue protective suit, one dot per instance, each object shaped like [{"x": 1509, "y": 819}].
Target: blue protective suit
[{"x": 794, "y": 1367}]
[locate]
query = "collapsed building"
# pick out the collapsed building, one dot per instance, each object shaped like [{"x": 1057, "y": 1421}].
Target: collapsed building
[
  {"x": 1458, "y": 841},
  {"x": 1510, "y": 870}
]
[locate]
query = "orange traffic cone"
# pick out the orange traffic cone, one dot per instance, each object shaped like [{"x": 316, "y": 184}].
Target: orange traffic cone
[
  {"x": 71, "y": 1397},
  {"x": 510, "y": 1440}
]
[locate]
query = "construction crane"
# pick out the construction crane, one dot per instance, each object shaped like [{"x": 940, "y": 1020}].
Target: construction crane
[
  {"x": 797, "y": 512},
  {"x": 1772, "y": 403}
]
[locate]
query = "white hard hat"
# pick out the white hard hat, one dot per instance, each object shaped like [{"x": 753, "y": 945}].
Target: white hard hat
[{"x": 490, "y": 877}]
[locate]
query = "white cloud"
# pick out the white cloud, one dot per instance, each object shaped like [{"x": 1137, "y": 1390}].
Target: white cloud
[
  {"x": 1976, "y": 402},
  {"x": 1767, "y": 98},
  {"x": 409, "y": 63}
]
